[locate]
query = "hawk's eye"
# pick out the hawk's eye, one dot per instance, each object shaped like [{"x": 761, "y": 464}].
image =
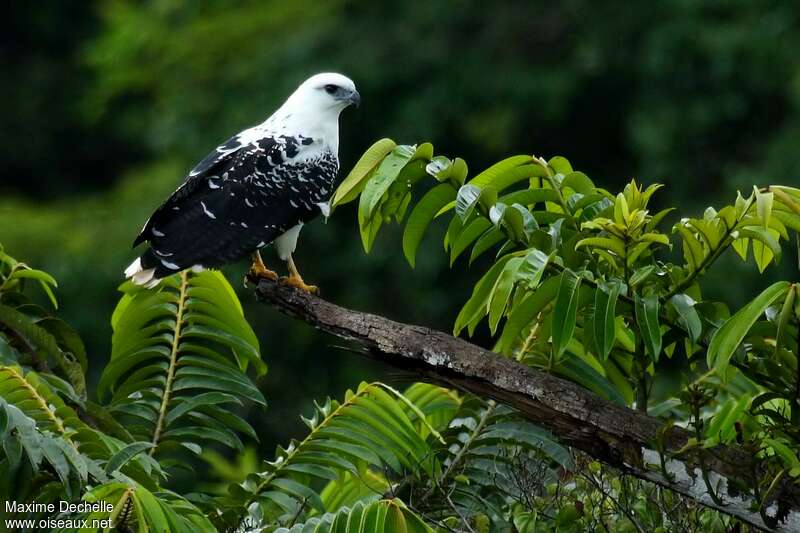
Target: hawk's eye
[{"x": 330, "y": 89}]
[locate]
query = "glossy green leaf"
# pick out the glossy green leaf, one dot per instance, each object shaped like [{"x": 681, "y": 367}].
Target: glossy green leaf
[
  {"x": 494, "y": 172},
  {"x": 119, "y": 459},
  {"x": 579, "y": 182},
  {"x": 565, "y": 311},
  {"x": 764, "y": 203},
  {"x": 577, "y": 370},
  {"x": 421, "y": 217},
  {"x": 605, "y": 309},
  {"x": 475, "y": 308},
  {"x": 765, "y": 245},
  {"x": 352, "y": 185},
  {"x": 784, "y": 319},
  {"x": 687, "y": 315},
  {"x": 731, "y": 334},
  {"x": 382, "y": 178},
  {"x": 525, "y": 312},
  {"x": 647, "y": 320}
]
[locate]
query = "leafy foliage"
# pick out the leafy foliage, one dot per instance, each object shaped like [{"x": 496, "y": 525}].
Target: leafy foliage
[
  {"x": 178, "y": 364},
  {"x": 369, "y": 429},
  {"x": 178, "y": 356},
  {"x": 59, "y": 445},
  {"x": 375, "y": 517},
  {"x": 585, "y": 284},
  {"x": 581, "y": 282}
]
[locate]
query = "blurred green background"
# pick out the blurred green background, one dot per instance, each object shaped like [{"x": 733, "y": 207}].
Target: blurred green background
[{"x": 107, "y": 104}]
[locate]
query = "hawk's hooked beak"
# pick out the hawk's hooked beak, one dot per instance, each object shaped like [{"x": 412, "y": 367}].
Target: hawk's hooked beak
[{"x": 354, "y": 98}]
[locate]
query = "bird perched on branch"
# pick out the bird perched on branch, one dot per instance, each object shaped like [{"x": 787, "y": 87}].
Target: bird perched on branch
[{"x": 257, "y": 188}]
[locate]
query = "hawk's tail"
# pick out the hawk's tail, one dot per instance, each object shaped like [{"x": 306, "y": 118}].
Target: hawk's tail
[
  {"x": 139, "y": 273},
  {"x": 149, "y": 269}
]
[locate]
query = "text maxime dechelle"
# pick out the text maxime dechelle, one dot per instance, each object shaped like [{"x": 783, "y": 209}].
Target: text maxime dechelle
[{"x": 61, "y": 521}]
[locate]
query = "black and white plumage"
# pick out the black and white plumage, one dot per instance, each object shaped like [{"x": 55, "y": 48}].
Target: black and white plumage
[{"x": 258, "y": 187}]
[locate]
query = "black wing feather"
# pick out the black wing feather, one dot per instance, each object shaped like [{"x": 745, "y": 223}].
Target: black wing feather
[{"x": 235, "y": 201}]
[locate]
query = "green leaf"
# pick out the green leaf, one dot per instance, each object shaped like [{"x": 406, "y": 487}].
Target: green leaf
[
  {"x": 692, "y": 248},
  {"x": 470, "y": 232},
  {"x": 496, "y": 171},
  {"x": 37, "y": 339},
  {"x": 605, "y": 309},
  {"x": 611, "y": 244},
  {"x": 486, "y": 241},
  {"x": 46, "y": 281},
  {"x": 560, "y": 164},
  {"x": 533, "y": 267},
  {"x": 765, "y": 244},
  {"x": 121, "y": 458},
  {"x": 577, "y": 370},
  {"x": 528, "y": 269},
  {"x": 578, "y": 182},
  {"x": 466, "y": 199},
  {"x": 179, "y": 356},
  {"x": 784, "y": 452},
  {"x": 356, "y": 179},
  {"x": 782, "y": 336},
  {"x": 31, "y": 273},
  {"x": 764, "y": 202},
  {"x": 421, "y": 217},
  {"x": 687, "y": 315},
  {"x": 647, "y": 320},
  {"x": 371, "y": 428},
  {"x": 67, "y": 338},
  {"x": 192, "y": 403},
  {"x": 369, "y": 230},
  {"x": 524, "y": 313},
  {"x": 565, "y": 311},
  {"x": 730, "y": 335},
  {"x": 475, "y": 308},
  {"x": 380, "y": 181},
  {"x": 640, "y": 275},
  {"x": 459, "y": 171}
]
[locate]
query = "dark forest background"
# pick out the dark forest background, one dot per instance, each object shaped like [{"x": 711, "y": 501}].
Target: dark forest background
[{"x": 107, "y": 104}]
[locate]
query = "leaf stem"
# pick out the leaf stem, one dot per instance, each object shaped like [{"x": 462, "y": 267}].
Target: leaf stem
[
  {"x": 491, "y": 405},
  {"x": 173, "y": 361},
  {"x": 41, "y": 401}
]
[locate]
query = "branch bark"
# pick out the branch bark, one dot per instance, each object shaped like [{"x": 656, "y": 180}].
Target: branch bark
[{"x": 611, "y": 433}]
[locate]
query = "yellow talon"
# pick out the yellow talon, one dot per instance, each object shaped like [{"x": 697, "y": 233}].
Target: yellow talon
[
  {"x": 258, "y": 270},
  {"x": 294, "y": 279},
  {"x": 298, "y": 283}
]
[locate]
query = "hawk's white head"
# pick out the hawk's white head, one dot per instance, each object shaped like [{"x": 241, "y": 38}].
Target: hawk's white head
[
  {"x": 313, "y": 109},
  {"x": 328, "y": 91}
]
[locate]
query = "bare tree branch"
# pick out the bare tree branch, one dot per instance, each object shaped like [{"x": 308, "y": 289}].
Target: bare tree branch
[{"x": 611, "y": 433}]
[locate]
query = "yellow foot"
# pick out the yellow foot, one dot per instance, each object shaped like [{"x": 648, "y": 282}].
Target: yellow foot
[
  {"x": 258, "y": 272},
  {"x": 298, "y": 283}
]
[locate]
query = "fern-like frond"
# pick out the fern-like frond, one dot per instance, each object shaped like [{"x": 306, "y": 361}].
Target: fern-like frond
[
  {"x": 43, "y": 342},
  {"x": 366, "y": 486},
  {"x": 31, "y": 395},
  {"x": 28, "y": 395},
  {"x": 29, "y": 336},
  {"x": 376, "y": 517},
  {"x": 438, "y": 404},
  {"x": 370, "y": 428},
  {"x": 503, "y": 457},
  {"x": 178, "y": 363},
  {"x": 132, "y": 507},
  {"x": 21, "y": 437}
]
